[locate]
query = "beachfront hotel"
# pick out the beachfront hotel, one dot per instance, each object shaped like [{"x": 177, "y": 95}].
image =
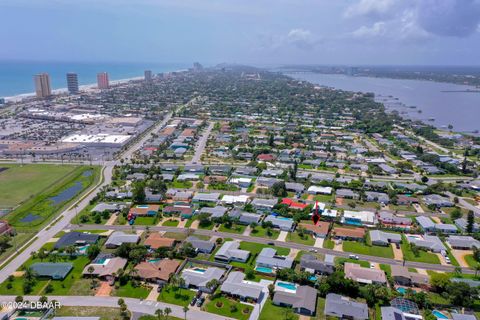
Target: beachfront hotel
[
  {"x": 148, "y": 75},
  {"x": 102, "y": 80},
  {"x": 42, "y": 85},
  {"x": 72, "y": 83}
]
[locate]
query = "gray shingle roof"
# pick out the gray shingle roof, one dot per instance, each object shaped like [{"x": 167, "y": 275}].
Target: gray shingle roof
[
  {"x": 235, "y": 285},
  {"x": 305, "y": 298},
  {"x": 267, "y": 257},
  {"x": 339, "y": 306}
]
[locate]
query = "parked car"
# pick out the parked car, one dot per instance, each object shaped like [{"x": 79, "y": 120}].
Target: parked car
[
  {"x": 354, "y": 257},
  {"x": 200, "y": 301},
  {"x": 192, "y": 303}
]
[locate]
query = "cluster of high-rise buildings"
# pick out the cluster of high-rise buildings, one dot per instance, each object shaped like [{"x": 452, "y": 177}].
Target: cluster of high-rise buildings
[{"x": 43, "y": 88}]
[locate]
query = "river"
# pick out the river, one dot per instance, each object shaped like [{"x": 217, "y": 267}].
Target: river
[{"x": 441, "y": 104}]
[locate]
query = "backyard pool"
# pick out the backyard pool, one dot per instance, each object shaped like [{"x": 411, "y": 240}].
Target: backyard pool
[
  {"x": 153, "y": 260},
  {"x": 439, "y": 314},
  {"x": 287, "y": 285},
  {"x": 264, "y": 269},
  {"x": 199, "y": 270}
]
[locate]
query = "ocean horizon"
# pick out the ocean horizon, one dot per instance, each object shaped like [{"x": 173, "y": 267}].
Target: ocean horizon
[{"x": 16, "y": 77}]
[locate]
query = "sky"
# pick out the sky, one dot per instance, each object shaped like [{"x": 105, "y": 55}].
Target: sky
[{"x": 259, "y": 32}]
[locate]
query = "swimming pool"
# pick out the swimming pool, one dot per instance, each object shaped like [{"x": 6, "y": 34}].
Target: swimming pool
[
  {"x": 264, "y": 269},
  {"x": 283, "y": 218},
  {"x": 199, "y": 270},
  {"x": 401, "y": 290},
  {"x": 142, "y": 206},
  {"x": 439, "y": 314},
  {"x": 312, "y": 278},
  {"x": 153, "y": 260},
  {"x": 287, "y": 285}
]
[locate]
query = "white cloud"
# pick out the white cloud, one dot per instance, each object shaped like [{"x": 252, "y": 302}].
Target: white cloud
[
  {"x": 409, "y": 20},
  {"x": 378, "y": 29},
  {"x": 297, "y": 38},
  {"x": 373, "y": 8}
]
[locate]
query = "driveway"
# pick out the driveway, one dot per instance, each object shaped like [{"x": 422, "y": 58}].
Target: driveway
[
  {"x": 397, "y": 252},
  {"x": 282, "y": 236},
  {"x": 319, "y": 242}
]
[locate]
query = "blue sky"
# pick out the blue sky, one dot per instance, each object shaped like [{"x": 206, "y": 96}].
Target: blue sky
[{"x": 258, "y": 32}]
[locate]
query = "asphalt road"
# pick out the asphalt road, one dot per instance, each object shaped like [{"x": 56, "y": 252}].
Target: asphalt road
[
  {"x": 427, "y": 266},
  {"x": 134, "y": 305},
  {"x": 202, "y": 143}
]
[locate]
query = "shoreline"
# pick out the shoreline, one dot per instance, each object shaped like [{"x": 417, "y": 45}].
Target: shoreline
[{"x": 83, "y": 87}]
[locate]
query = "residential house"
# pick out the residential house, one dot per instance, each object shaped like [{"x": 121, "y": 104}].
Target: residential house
[
  {"x": 118, "y": 238},
  {"x": 230, "y": 251},
  {"x": 236, "y": 286},
  {"x": 206, "y": 197},
  {"x": 156, "y": 240},
  {"x": 403, "y": 277},
  {"x": 346, "y": 193},
  {"x": 294, "y": 186},
  {"x": 380, "y": 197},
  {"x": 462, "y": 224},
  {"x": 319, "y": 230},
  {"x": 349, "y": 233},
  {"x": 158, "y": 271},
  {"x": 303, "y": 301},
  {"x": 105, "y": 267},
  {"x": 294, "y": 204},
  {"x": 264, "y": 204},
  {"x": 202, "y": 246},
  {"x": 363, "y": 275},
  {"x": 239, "y": 200},
  {"x": 144, "y": 210},
  {"x": 282, "y": 223},
  {"x": 198, "y": 279},
  {"x": 389, "y": 219},
  {"x": 310, "y": 263},
  {"x": 344, "y": 308},
  {"x": 358, "y": 218},
  {"x": 425, "y": 223},
  {"x": 382, "y": 238},
  {"x": 428, "y": 242},
  {"x": 245, "y": 218},
  {"x": 75, "y": 238},
  {"x": 268, "y": 258},
  {"x": 319, "y": 190},
  {"x": 437, "y": 201},
  {"x": 463, "y": 242},
  {"x": 214, "y": 212},
  {"x": 52, "y": 270}
]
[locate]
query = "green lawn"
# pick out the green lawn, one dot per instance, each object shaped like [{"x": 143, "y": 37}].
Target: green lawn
[
  {"x": 362, "y": 248},
  {"x": 471, "y": 261},
  {"x": 19, "y": 183},
  {"x": 236, "y": 228},
  {"x": 387, "y": 268},
  {"x": 423, "y": 256},
  {"x": 129, "y": 291},
  {"x": 181, "y": 184},
  {"x": 363, "y": 263},
  {"x": 306, "y": 239},
  {"x": 146, "y": 221},
  {"x": 42, "y": 208},
  {"x": 255, "y": 248},
  {"x": 222, "y": 306},
  {"x": 181, "y": 297},
  {"x": 271, "y": 311},
  {"x": 262, "y": 233},
  {"x": 59, "y": 287},
  {"x": 170, "y": 223},
  {"x": 328, "y": 244}
]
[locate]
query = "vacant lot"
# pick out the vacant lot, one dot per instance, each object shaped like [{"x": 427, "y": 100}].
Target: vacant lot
[{"x": 19, "y": 183}]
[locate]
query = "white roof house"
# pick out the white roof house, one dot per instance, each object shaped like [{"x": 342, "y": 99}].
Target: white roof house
[
  {"x": 229, "y": 199},
  {"x": 366, "y": 217},
  {"x": 319, "y": 190}
]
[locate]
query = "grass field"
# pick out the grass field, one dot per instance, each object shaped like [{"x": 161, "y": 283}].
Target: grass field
[
  {"x": 223, "y": 306},
  {"x": 262, "y": 232},
  {"x": 306, "y": 239},
  {"x": 105, "y": 313},
  {"x": 39, "y": 209},
  {"x": 362, "y": 248},
  {"x": 19, "y": 183},
  {"x": 423, "y": 256},
  {"x": 271, "y": 311},
  {"x": 181, "y": 297}
]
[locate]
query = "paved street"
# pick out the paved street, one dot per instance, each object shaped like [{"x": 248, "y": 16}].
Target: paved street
[
  {"x": 291, "y": 245},
  {"x": 202, "y": 143},
  {"x": 134, "y": 305}
]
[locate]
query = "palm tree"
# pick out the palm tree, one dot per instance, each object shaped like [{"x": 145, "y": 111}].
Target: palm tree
[
  {"x": 477, "y": 269},
  {"x": 167, "y": 311},
  {"x": 185, "y": 310},
  {"x": 159, "y": 313},
  {"x": 212, "y": 284}
]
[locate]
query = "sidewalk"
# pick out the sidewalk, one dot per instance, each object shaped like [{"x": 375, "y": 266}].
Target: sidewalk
[{"x": 282, "y": 236}]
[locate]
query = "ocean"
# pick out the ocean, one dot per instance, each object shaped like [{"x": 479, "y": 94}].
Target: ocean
[{"x": 16, "y": 77}]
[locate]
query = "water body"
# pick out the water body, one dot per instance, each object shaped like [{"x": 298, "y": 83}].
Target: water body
[
  {"x": 67, "y": 194},
  {"x": 444, "y": 103},
  {"x": 16, "y": 77}
]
